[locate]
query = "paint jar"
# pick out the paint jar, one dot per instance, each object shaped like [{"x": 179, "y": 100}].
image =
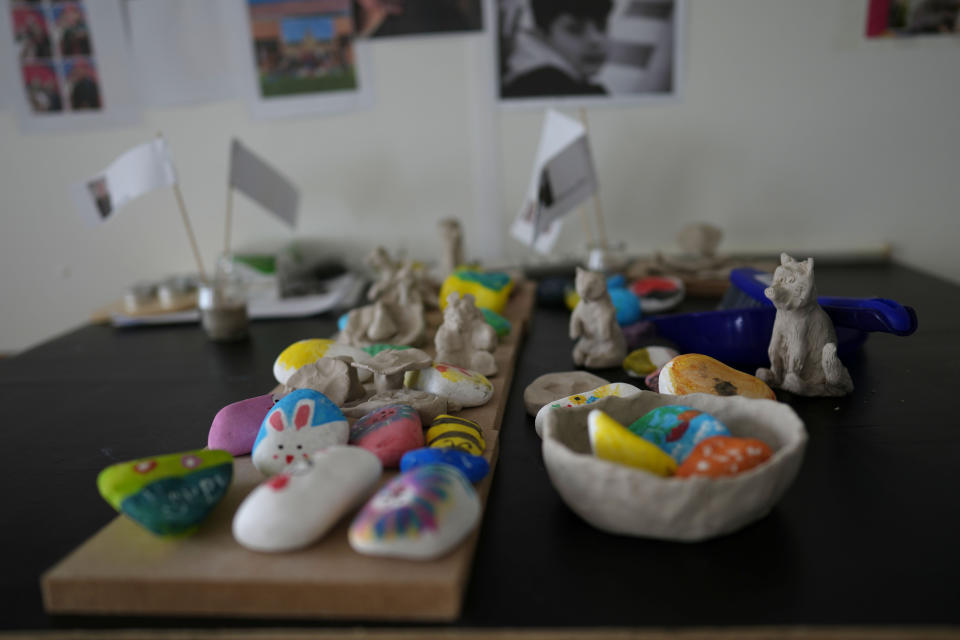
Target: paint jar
[{"x": 223, "y": 304}]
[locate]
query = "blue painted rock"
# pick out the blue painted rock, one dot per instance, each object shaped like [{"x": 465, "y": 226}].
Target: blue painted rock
[
  {"x": 388, "y": 433},
  {"x": 624, "y": 301},
  {"x": 474, "y": 467},
  {"x": 235, "y": 427},
  {"x": 645, "y": 360},
  {"x": 500, "y": 324},
  {"x": 463, "y": 386},
  {"x": 298, "y": 506},
  {"x": 453, "y": 432},
  {"x": 677, "y": 429},
  {"x": 421, "y": 514},
  {"x": 302, "y": 422},
  {"x": 168, "y": 495},
  {"x": 619, "y": 389}
]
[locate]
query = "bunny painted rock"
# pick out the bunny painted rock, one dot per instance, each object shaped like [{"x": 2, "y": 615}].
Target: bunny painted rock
[
  {"x": 298, "y": 425},
  {"x": 298, "y": 506},
  {"x": 593, "y": 323},
  {"x": 803, "y": 348}
]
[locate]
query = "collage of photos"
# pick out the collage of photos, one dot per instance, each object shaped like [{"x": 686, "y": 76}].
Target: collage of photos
[
  {"x": 55, "y": 52},
  {"x": 586, "y": 49},
  {"x": 303, "y": 47}
]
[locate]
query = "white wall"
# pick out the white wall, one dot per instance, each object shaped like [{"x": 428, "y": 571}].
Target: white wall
[{"x": 792, "y": 132}]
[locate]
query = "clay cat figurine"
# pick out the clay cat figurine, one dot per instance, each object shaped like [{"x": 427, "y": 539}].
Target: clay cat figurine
[
  {"x": 465, "y": 339},
  {"x": 594, "y": 321},
  {"x": 803, "y": 349}
]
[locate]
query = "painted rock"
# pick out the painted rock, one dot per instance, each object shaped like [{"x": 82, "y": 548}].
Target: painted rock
[
  {"x": 620, "y": 389},
  {"x": 697, "y": 373},
  {"x": 551, "y": 386},
  {"x": 235, "y": 427},
  {"x": 724, "y": 456},
  {"x": 306, "y": 351},
  {"x": 302, "y": 422},
  {"x": 463, "y": 386},
  {"x": 298, "y": 506},
  {"x": 653, "y": 381},
  {"x": 500, "y": 324},
  {"x": 474, "y": 467},
  {"x": 374, "y": 349},
  {"x": 388, "y": 433},
  {"x": 168, "y": 495},
  {"x": 420, "y": 514},
  {"x": 644, "y": 361},
  {"x": 456, "y": 433},
  {"x": 658, "y": 293},
  {"x": 612, "y": 441},
  {"x": 490, "y": 290},
  {"x": 677, "y": 429}
]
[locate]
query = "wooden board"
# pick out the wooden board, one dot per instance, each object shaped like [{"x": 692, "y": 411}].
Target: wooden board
[{"x": 124, "y": 570}]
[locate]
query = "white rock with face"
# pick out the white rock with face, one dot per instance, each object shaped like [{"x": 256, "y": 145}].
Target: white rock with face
[
  {"x": 295, "y": 508},
  {"x": 301, "y": 423}
]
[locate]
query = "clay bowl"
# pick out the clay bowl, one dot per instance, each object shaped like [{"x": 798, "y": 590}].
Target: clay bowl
[{"x": 624, "y": 500}]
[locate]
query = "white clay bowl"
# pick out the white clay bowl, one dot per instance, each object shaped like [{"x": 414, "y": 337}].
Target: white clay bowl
[{"x": 625, "y": 500}]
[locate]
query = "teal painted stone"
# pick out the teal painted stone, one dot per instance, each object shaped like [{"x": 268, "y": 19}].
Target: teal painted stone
[
  {"x": 168, "y": 495},
  {"x": 500, "y": 324},
  {"x": 677, "y": 429}
]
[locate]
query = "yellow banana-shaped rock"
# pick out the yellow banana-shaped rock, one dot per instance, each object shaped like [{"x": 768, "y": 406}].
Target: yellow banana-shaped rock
[{"x": 612, "y": 441}]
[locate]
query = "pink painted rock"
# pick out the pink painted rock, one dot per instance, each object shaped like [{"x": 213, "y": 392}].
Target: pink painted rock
[
  {"x": 653, "y": 380},
  {"x": 388, "y": 432},
  {"x": 235, "y": 426}
]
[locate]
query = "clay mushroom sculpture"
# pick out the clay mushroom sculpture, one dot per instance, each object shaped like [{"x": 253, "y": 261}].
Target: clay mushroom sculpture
[{"x": 389, "y": 366}]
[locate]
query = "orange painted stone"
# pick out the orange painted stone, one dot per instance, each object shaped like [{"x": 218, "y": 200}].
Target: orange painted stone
[
  {"x": 724, "y": 456},
  {"x": 697, "y": 373}
]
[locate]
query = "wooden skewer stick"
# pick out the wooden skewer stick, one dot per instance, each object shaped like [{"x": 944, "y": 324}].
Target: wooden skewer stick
[
  {"x": 597, "y": 208},
  {"x": 187, "y": 226},
  {"x": 229, "y": 221},
  {"x": 587, "y": 229}
]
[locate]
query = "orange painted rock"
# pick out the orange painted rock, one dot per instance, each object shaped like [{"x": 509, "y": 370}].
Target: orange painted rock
[
  {"x": 724, "y": 456},
  {"x": 697, "y": 373}
]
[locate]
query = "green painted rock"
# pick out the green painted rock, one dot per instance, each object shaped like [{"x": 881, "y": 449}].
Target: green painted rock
[
  {"x": 374, "y": 349},
  {"x": 500, "y": 324},
  {"x": 168, "y": 495}
]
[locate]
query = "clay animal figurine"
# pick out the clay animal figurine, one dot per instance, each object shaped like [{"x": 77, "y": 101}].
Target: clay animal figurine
[
  {"x": 465, "y": 339},
  {"x": 594, "y": 324},
  {"x": 803, "y": 349}
]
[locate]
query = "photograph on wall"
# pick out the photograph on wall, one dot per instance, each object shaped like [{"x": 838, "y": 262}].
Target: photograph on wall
[
  {"x": 301, "y": 57},
  {"x": 587, "y": 51},
  {"x": 386, "y": 18},
  {"x": 910, "y": 18},
  {"x": 303, "y": 47},
  {"x": 56, "y": 82}
]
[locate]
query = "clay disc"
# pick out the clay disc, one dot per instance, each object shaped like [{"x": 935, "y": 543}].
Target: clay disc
[{"x": 553, "y": 386}]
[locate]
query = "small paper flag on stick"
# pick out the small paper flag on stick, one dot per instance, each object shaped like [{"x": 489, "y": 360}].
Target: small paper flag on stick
[{"x": 263, "y": 184}]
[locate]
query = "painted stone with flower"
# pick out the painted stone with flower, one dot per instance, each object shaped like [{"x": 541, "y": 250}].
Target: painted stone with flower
[
  {"x": 421, "y": 514},
  {"x": 619, "y": 389},
  {"x": 388, "y": 433},
  {"x": 300, "y": 505},
  {"x": 168, "y": 495}
]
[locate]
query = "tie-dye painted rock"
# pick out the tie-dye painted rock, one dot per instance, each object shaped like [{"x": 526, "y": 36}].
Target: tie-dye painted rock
[
  {"x": 305, "y": 352},
  {"x": 677, "y": 429},
  {"x": 724, "y": 456},
  {"x": 500, "y": 324},
  {"x": 612, "y": 441},
  {"x": 388, "y": 433},
  {"x": 658, "y": 293},
  {"x": 463, "y": 386},
  {"x": 302, "y": 422},
  {"x": 421, "y": 514},
  {"x": 490, "y": 290},
  {"x": 299, "y": 506},
  {"x": 620, "y": 389},
  {"x": 474, "y": 467},
  {"x": 644, "y": 361},
  {"x": 456, "y": 433},
  {"x": 235, "y": 427},
  {"x": 168, "y": 495},
  {"x": 697, "y": 373}
]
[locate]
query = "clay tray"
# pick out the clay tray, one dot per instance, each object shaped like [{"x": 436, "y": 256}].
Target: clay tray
[{"x": 124, "y": 570}]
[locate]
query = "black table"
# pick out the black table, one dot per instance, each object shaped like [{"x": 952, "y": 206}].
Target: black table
[{"x": 868, "y": 535}]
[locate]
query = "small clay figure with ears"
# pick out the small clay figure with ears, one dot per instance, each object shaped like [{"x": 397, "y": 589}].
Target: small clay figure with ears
[
  {"x": 465, "y": 339},
  {"x": 803, "y": 349},
  {"x": 594, "y": 322}
]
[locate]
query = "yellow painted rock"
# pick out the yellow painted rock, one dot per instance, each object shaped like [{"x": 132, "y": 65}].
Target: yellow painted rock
[
  {"x": 644, "y": 361},
  {"x": 304, "y": 352},
  {"x": 490, "y": 290},
  {"x": 612, "y": 441},
  {"x": 697, "y": 373},
  {"x": 456, "y": 433}
]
